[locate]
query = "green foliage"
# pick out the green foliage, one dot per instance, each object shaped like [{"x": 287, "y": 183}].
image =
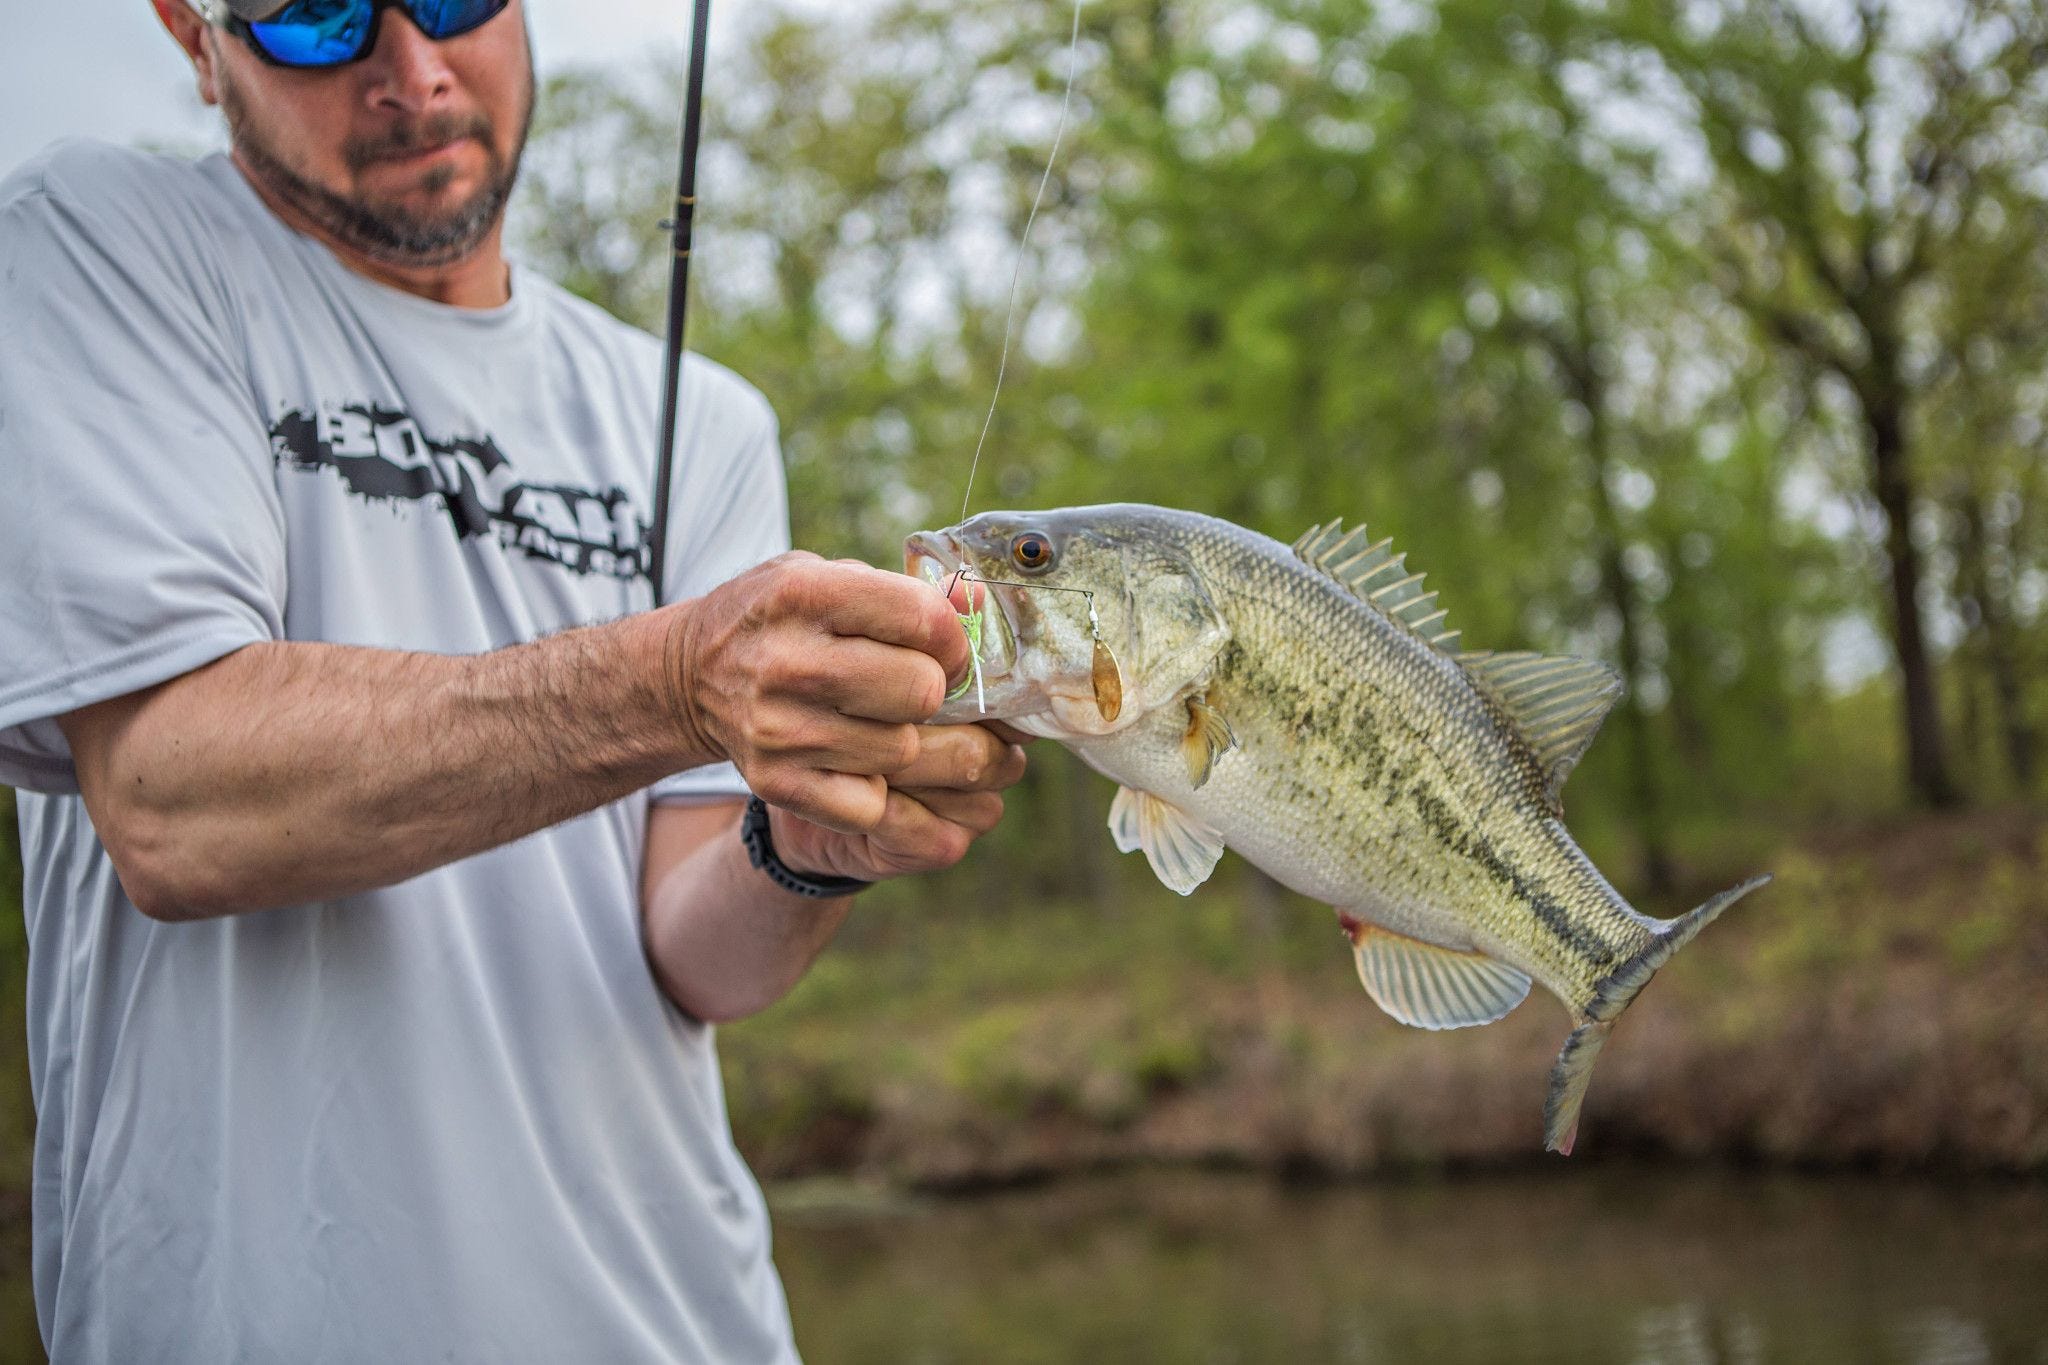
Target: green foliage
[
  {"x": 1992, "y": 924},
  {"x": 1590, "y": 305},
  {"x": 1529, "y": 287}
]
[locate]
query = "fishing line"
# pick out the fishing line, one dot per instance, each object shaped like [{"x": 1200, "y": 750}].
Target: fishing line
[
  {"x": 972, "y": 620},
  {"x": 1024, "y": 249}
]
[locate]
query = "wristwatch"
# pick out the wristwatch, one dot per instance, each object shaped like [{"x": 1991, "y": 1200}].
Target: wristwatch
[{"x": 761, "y": 853}]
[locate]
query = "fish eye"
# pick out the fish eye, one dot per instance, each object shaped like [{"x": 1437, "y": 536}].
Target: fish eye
[{"x": 1032, "y": 552}]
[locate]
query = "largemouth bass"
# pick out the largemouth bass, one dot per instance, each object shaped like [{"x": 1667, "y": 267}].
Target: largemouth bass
[{"x": 1310, "y": 708}]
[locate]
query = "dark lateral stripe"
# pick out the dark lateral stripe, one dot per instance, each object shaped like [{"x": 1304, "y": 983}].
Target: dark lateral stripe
[{"x": 1549, "y": 911}]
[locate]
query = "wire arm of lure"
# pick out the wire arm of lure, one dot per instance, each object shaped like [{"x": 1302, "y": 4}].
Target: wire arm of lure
[{"x": 1106, "y": 676}]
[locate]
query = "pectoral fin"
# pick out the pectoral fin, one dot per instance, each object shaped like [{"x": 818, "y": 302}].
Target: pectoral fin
[
  {"x": 1426, "y": 986},
  {"x": 1182, "y": 850},
  {"x": 1208, "y": 738}
]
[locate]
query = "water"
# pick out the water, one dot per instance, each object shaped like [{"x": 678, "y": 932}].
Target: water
[{"x": 1590, "y": 1265}]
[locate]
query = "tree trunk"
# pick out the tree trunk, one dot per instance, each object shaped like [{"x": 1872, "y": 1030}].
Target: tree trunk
[
  {"x": 2000, "y": 652},
  {"x": 1648, "y": 799},
  {"x": 1927, "y": 774},
  {"x": 1589, "y": 386}
]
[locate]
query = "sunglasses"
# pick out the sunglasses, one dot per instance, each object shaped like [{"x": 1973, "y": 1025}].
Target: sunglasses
[{"x": 312, "y": 34}]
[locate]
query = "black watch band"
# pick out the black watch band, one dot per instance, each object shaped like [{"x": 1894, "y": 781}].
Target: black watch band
[{"x": 761, "y": 853}]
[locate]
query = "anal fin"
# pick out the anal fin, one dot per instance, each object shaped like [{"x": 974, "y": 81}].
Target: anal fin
[
  {"x": 1425, "y": 986},
  {"x": 1183, "y": 851}
]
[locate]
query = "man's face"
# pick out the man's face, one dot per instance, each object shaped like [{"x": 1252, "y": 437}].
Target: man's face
[{"x": 407, "y": 156}]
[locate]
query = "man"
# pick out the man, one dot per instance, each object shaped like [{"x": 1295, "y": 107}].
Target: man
[{"x": 370, "y": 985}]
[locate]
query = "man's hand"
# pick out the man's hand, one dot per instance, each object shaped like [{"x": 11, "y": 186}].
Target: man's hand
[
  {"x": 725, "y": 941},
  {"x": 942, "y": 802},
  {"x": 291, "y": 771},
  {"x": 811, "y": 677}
]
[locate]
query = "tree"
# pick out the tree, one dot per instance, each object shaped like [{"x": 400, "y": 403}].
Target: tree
[
  {"x": 1603, "y": 312},
  {"x": 1850, "y": 155}
]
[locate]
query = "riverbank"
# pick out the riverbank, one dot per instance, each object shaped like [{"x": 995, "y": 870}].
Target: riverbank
[{"x": 1879, "y": 1006}]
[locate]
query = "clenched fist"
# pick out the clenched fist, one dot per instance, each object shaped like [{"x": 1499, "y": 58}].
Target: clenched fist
[{"x": 811, "y": 676}]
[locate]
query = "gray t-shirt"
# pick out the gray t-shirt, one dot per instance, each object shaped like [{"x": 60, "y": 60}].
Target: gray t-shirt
[{"x": 451, "y": 1120}]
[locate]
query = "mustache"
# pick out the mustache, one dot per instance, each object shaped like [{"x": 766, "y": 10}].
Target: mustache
[{"x": 415, "y": 135}]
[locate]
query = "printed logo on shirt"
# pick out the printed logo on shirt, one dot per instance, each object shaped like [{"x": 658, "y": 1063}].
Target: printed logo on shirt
[{"x": 381, "y": 453}]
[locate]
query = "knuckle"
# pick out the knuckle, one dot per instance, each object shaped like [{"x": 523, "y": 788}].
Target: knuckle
[
  {"x": 799, "y": 583},
  {"x": 908, "y": 745},
  {"x": 928, "y": 688},
  {"x": 995, "y": 763},
  {"x": 867, "y": 812},
  {"x": 818, "y": 736},
  {"x": 774, "y": 732},
  {"x": 991, "y": 812},
  {"x": 777, "y": 786},
  {"x": 942, "y": 626},
  {"x": 804, "y": 672}
]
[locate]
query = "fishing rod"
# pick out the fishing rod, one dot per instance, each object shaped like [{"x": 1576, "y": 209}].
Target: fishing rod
[
  {"x": 679, "y": 283},
  {"x": 678, "y": 293}
]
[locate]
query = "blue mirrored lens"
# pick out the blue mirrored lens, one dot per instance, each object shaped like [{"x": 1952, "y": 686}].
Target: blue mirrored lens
[
  {"x": 330, "y": 32},
  {"x": 316, "y": 32},
  {"x": 446, "y": 18}
]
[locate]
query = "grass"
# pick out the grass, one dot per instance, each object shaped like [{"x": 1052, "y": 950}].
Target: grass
[{"x": 961, "y": 1041}]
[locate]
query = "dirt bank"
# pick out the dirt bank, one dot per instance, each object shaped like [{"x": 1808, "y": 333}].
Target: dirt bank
[{"x": 1881, "y": 1005}]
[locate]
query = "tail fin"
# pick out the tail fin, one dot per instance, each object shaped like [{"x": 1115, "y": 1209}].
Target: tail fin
[{"x": 1574, "y": 1067}]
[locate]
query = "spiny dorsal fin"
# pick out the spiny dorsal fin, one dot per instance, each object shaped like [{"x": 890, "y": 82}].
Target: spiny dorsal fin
[
  {"x": 1374, "y": 572},
  {"x": 1555, "y": 702}
]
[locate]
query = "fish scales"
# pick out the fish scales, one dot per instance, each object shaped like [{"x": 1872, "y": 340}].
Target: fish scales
[
  {"x": 1294, "y": 704},
  {"x": 1374, "y": 775}
]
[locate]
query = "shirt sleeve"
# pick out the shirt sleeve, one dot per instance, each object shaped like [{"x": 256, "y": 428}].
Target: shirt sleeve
[
  {"x": 730, "y": 511},
  {"x": 144, "y": 536}
]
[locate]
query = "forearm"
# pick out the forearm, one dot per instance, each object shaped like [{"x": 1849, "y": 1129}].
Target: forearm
[
  {"x": 292, "y": 772},
  {"x": 724, "y": 941}
]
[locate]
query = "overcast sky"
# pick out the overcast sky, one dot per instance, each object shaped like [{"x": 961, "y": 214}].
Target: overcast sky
[{"x": 105, "y": 68}]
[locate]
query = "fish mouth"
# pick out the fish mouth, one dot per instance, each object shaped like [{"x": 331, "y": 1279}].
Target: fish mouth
[{"x": 935, "y": 557}]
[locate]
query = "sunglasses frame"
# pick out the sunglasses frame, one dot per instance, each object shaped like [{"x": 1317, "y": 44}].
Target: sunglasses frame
[{"x": 221, "y": 17}]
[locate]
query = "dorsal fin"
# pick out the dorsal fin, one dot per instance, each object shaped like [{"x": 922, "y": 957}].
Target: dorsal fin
[
  {"x": 1555, "y": 702},
  {"x": 1374, "y": 572}
]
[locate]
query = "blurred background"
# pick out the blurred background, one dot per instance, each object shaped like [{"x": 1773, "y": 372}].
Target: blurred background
[{"x": 1705, "y": 338}]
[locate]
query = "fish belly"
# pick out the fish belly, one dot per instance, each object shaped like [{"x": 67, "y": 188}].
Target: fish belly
[
  {"x": 1371, "y": 785},
  {"x": 1300, "y": 817}
]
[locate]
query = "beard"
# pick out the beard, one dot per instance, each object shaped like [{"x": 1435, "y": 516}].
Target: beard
[{"x": 387, "y": 230}]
